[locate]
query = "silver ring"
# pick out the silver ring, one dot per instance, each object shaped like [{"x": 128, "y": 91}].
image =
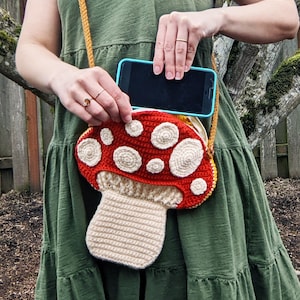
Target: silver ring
[
  {"x": 181, "y": 40},
  {"x": 99, "y": 94}
]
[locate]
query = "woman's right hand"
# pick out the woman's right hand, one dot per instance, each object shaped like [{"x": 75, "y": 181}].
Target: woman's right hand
[
  {"x": 92, "y": 95},
  {"x": 40, "y": 42}
]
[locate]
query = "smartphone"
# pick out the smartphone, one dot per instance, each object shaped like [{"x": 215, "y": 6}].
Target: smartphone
[{"x": 194, "y": 95}]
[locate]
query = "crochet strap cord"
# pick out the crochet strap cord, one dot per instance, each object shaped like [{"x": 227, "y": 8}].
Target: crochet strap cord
[
  {"x": 87, "y": 32},
  {"x": 214, "y": 123},
  {"x": 89, "y": 48}
]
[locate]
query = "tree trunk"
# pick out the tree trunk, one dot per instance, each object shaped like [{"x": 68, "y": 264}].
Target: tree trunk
[{"x": 9, "y": 33}]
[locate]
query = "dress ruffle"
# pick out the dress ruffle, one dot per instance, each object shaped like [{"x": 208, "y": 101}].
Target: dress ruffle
[
  {"x": 83, "y": 284},
  {"x": 167, "y": 283},
  {"x": 228, "y": 248}
]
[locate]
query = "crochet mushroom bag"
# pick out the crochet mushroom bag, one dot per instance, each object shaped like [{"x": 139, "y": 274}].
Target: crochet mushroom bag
[{"x": 143, "y": 168}]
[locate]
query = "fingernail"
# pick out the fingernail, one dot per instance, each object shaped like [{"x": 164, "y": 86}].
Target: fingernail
[
  {"x": 156, "y": 70},
  {"x": 178, "y": 76},
  {"x": 169, "y": 75},
  {"x": 127, "y": 119}
]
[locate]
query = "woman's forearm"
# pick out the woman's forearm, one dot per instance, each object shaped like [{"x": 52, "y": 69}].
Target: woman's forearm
[
  {"x": 39, "y": 66},
  {"x": 37, "y": 53},
  {"x": 260, "y": 22}
]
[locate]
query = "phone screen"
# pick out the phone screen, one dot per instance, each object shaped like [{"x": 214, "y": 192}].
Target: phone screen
[{"x": 193, "y": 95}]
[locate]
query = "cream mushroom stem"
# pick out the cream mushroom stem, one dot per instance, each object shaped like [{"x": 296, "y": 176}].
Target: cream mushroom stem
[{"x": 129, "y": 224}]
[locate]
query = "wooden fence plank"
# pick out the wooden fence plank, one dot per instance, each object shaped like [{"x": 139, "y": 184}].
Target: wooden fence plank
[
  {"x": 16, "y": 123},
  {"x": 268, "y": 157},
  {"x": 5, "y": 163},
  {"x": 282, "y": 150},
  {"x": 5, "y": 145},
  {"x": 18, "y": 137},
  {"x": 293, "y": 135},
  {"x": 5, "y": 174},
  {"x": 33, "y": 142}
]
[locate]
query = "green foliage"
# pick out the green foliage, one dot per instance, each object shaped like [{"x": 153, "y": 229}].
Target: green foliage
[
  {"x": 280, "y": 83},
  {"x": 7, "y": 43},
  {"x": 9, "y": 33},
  {"x": 282, "y": 80}
]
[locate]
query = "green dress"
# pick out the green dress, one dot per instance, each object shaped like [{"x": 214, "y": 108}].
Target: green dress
[{"x": 228, "y": 248}]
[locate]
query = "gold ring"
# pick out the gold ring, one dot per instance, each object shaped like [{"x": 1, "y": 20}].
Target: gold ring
[
  {"x": 86, "y": 102},
  {"x": 181, "y": 40},
  {"x": 99, "y": 94}
]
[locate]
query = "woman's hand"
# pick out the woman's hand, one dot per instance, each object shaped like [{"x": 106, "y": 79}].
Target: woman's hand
[
  {"x": 253, "y": 21},
  {"x": 92, "y": 95},
  {"x": 178, "y": 36}
]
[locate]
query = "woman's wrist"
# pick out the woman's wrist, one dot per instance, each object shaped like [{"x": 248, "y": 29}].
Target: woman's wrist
[{"x": 59, "y": 75}]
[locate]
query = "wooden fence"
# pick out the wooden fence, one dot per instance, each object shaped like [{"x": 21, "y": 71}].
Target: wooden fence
[
  {"x": 26, "y": 125},
  {"x": 278, "y": 155},
  {"x": 25, "y": 129}
]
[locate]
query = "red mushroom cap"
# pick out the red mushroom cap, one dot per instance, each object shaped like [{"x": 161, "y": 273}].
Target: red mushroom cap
[{"x": 156, "y": 148}]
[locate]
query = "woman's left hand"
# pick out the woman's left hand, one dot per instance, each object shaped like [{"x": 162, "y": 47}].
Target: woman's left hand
[
  {"x": 178, "y": 36},
  {"x": 252, "y": 21}
]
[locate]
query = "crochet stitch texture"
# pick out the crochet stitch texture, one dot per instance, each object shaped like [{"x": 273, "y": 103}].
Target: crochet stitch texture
[{"x": 143, "y": 168}]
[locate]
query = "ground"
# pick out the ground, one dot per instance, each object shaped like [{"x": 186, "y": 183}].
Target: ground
[{"x": 21, "y": 226}]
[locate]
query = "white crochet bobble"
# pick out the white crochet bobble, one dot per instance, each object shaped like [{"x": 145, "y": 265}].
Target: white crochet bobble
[
  {"x": 127, "y": 159},
  {"x": 165, "y": 135},
  {"x": 186, "y": 157},
  {"x": 89, "y": 151}
]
